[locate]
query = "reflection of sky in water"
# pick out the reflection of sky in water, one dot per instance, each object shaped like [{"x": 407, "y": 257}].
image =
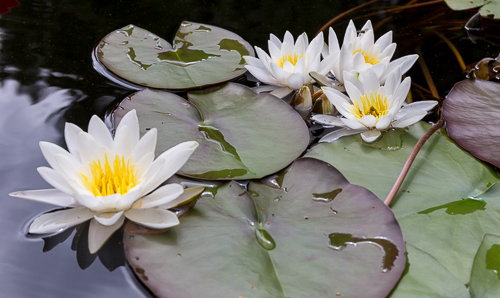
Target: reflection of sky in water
[{"x": 29, "y": 114}]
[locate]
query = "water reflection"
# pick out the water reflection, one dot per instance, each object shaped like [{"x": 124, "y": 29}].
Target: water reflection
[{"x": 29, "y": 114}]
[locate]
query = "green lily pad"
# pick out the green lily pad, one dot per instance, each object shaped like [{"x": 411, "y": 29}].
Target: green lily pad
[
  {"x": 444, "y": 206},
  {"x": 201, "y": 55},
  {"x": 488, "y": 7},
  {"x": 485, "y": 277},
  {"x": 242, "y": 135},
  {"x": 471, "y": 113},
  {"x": 305, "y": 232}
]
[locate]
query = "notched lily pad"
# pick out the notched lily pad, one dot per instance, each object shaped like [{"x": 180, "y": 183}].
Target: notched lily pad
[
  {"x": 303, "y": 232},
  {"x": 242, "y": 135},
  {"x": 471, "y": 113},
  {"x": 200, "y": 55}
]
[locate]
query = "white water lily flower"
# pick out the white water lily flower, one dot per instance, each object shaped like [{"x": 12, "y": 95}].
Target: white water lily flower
[
  {"x": 288, "y": 66},
  {"x": 371, "y": 108},
  {"x": 107, "y": 180},
  {"x": 360, "y": 52}
]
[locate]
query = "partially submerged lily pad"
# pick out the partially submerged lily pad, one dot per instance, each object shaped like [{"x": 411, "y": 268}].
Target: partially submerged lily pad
[
  {"x": 448, "y": 201},
  {"x": 242, "y": 135},
  {"x": 303, "y": 232},
  {"x": 485, "y": 277},
  {"x": 488, "y": 7},
  {"x": 201, "y": 55},
  {"x": 471, "y": 113}
]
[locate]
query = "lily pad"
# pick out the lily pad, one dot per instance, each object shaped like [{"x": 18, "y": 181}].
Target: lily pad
[
  {"x": 485, "y": 278},
  {"x": 200, "y": 55},
  {"x": 488, "y": 7},
  {"x": 242, "y": 135},
  {"x": 445, "y": 205},
  {"x": 304, "y": 232},
  {"x": 471, "y": 113}
]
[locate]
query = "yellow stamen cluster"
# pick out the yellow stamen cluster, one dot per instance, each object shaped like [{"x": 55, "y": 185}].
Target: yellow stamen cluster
[
  {"x": 290, "y": 58},
  {"x": 369, "y": 57},
  {"x": 375, "y": 105},
  {"x": 109, "y": 179}
]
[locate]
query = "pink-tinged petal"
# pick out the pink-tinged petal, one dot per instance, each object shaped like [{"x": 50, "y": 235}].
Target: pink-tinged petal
[
  {"x": 262, "y": 75},
  {"x": 146, "y": 145},
  {"x": 368, "y": 120},
  {"x": 47, "y": 196},
  {"x": 333, "y": 42},
  {"x": 131, "y": 121},
  {"x": 56, "y": 179},
  {"x": 99, "y": 234},
  {"x": 384, "y": 40},
  {"x": 153, "y": 218},
  {"x": 281, "y": 92},
  {"x": 174, "y": 158},
  {"x": 335, "y": 135},
  {"x": 50, "y": 151},
  {"x": 327, "y": 120},
  {"x": 254, "y": 61},
  {"x": 354, "y": 124},
  {"x": 384, "y": 122},
  {"x": 71, "y": 133},
  {"x": 108, "y": 219},
  {"x": 275, "y": 40},
  {"x": 274, "y": 51},
  {"x": 59, "y": 220},
  {"x": 288, "y": 38},
  {"x": 100, "y": 132},
  {"x": 162, "y": 195},
  {"x": 371, "y": 135},
  {"x": 123, "y": 144},
  {"x": 295, "y": 81},
  {"x": 409, "y": 119},
  {"x": 388, "y": 52}
]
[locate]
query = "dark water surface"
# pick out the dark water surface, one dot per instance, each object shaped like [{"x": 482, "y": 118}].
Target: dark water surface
[{"x": 47, "y": 79}]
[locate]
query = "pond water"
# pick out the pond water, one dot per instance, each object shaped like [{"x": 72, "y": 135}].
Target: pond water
[{"x": 47, "y": 78}]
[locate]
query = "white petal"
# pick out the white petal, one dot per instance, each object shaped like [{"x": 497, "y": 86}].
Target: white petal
[
  {"x": 288, "y": 38},
  {"x": 354, "y": 123},
  {"x": 143, "y": 164},
  {"x": 335, "y": 135},
  {"x": 354, "y": 93},
  {"x": 281, "y": 92},
  {"x": 174, "y": 158},
  {"x": 146, "y": 144},
  {"x": 63, "y": 219},
  {"x": 50, "y": 151},
  {"x": 47, "y": 196},
  {"x": 369, "y": 121},
  {"x": 125, "y": 201},
  {"x": 254, "y": 61},
  {"x": 401, "y": 93},
  {"x": 99, "y": 234},
  {"x": 90, "y": 201},
  {"x": 358, "y": 62},
  {"x": 393, "y": 81},
  {"x": 300, "y": 47},
  {"x": 123, "y": 144},
  {"x": 371, "y": 135},
  {"x": 71, "y": 133},
  {"x": 89, "y": 149},
  {"x": 262, "y": 75},
  {"x": 327, "y": 120},
  {"x": 370, "y": 81},
  {"x": 333, "y": 42},
  {"x": 388, "y": 52},
  {"x": 275, "y": 40},
  {"x": 280, "y": 74},
  {"x": 264, "y": 57},
  {"x": 367, "y": 39},
  {"x": 70, "y": 168},
  {"x": 108, "y": 219},
  {"x": 423, "y": 106},
  {"x": 384, "y": 40},
  {"x": 56, "y": 179},
  {"x": 384, "y": 122},
  {"x": 100, "y": 132},
  {"x": 130, "y": 120},
  {"x": 274, "y": 50},
  {"x": 295, "y": 81},
  {"x": 161, "y": 196},
  {"x": 409, "y": 119},
  {"x": 338, "y": 99},
  {"x": 153, "y": 218}
]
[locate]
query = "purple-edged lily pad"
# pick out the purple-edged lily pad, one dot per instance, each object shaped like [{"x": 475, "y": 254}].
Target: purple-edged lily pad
[
  {"x": 305, "y": 232},
  {"x": 471, "y": 112}
]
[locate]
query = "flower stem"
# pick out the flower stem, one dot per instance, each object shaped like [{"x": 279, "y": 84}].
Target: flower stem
[{"x": 409, "y": 161}]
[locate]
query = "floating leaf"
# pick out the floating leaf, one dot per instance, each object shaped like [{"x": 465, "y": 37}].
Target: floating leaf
[
  {"x": 201, "y": 55},
  {"x": 442, "y": 206},
  {"x": 471, "y": 113},
  {"x": 242, "y": 135},
  {"x": 489, "y": 8},
  {"x": 485, "y": 278},
  {"x": 304, "y": 232}
]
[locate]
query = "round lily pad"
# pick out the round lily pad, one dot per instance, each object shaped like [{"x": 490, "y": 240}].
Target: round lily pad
[
  {"x": 305, "y": 232},
  {"x": 471, "y": 113},
  {"x": 242, "y": 135},
  {"x": 200, "y": 55}
]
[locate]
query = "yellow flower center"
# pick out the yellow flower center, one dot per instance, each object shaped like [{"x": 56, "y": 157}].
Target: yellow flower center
[
  {"x": 290, "y": 58},
  {"x": 109, "y": 179},
  {"x": 375, "y": 105},
  {"x": 369, "y": 57}
]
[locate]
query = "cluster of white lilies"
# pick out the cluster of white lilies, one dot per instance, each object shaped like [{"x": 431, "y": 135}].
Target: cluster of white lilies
[{"x": 362, "y": 67}]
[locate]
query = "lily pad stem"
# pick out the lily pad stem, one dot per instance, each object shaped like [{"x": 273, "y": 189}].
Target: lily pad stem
[{"x": 409, "y": 161}]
